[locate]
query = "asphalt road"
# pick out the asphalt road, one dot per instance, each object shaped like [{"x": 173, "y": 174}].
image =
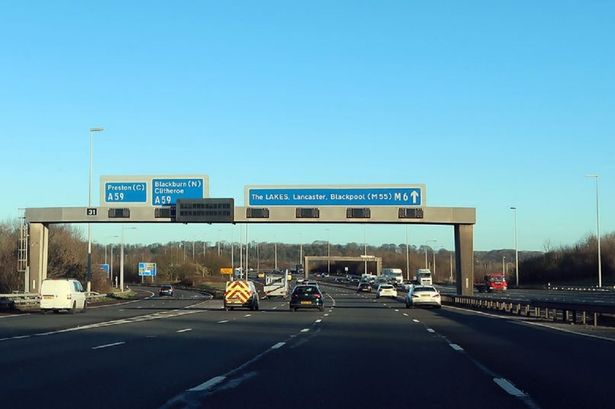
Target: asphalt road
[{"x": 359, "y": 353}]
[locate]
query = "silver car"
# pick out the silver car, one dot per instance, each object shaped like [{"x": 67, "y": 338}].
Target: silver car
[{"x": 423, "y": 295}]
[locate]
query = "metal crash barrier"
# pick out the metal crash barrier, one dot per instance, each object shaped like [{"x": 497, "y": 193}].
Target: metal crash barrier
[{"x": 574, "y": 313}]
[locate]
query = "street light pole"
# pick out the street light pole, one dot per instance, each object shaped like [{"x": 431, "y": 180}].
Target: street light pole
[
  {"x": 122, "y": 257},
  {"x": 365, "y": 247},
  {"x": 434, "y": 256},
  {"x": 89, "y": 275},
  {"x": 514, "y": 209},
  {"x": 407, "y": 255},
  {"x": 596, "y": 177}
]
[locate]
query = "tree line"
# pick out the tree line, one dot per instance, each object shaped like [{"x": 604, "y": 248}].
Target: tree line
[{"x": 191, "y": 262}]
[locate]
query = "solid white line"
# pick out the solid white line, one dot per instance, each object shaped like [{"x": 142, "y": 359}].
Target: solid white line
[
  {"x": 21, "y": 337},
  {"x": 222, "y": 322},
  {"x": 278, "y": 345},
  {"x": 456, "y": 347},
  {"x": 184, "y": 330},
  {"x": 538, "y": 324},
  {"x": 109, "y": 345},
  {"x": 568, "y": 331},
  {"x": 317, "y": 321},
  {"x": 509, "y": 387},
  {"x": 208, "y": 385},
  {"x": 415, "y": 320},
  {"x": 430, "y": 330},
  {"x": 305, "y": 330},
  {"x": 14, "y": 315}
]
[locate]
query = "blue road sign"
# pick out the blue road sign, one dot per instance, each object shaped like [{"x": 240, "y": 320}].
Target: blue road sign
[
  {"x": 104, "y": 268},
  {"x": 334, "y": 196},
  {"x": 147, "y": 269},
  {"x": 166, "y": 191},
  {"x": 125, "y": 192}
]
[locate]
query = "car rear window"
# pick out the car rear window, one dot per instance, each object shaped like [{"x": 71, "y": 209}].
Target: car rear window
[
  {"x": 424, "y": 289},
  {"x": 388, "y": 286},
  {"x": 306, "y": 289},
  {"x": 166, "y": 287}
]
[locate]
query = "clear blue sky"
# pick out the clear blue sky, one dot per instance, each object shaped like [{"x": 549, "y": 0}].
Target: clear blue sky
[{"x": 490, "y": 104}]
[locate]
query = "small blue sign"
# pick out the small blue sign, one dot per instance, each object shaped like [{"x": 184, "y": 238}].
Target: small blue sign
[
  {"x": 125, "y": 192},
  {"x": 104, "y": 268},
  {"x": 147, "y": 269},
  {"x": 376, "y": 196},
  {"x": 165, "y": 192}
]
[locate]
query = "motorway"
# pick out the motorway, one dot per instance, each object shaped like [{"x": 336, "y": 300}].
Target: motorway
[{"x": 186, "y": 352}]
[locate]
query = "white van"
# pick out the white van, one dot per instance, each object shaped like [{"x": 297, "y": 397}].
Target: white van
[{"x": 62, "y": 294}]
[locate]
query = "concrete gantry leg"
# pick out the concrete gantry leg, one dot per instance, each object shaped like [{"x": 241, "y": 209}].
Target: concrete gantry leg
[
  {"x": 39, "y": 240},
  {"x": 464, "y": 258}
]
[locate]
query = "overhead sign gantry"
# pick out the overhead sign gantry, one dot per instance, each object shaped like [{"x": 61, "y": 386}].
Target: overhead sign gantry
[{"x": 188, "y": 202}]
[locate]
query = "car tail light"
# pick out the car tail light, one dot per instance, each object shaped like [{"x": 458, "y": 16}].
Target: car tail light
[
  {"x": 436, "y": 295},
  {"x": 316, "y": 295}
]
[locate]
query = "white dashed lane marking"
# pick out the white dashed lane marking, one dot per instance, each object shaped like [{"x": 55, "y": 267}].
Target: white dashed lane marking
[
  {"x": 109, "y": 345},
  {"x": 278, "y": 345},
  {"x": 208, "y": 385},
  {"x": 509, "y": 387}
]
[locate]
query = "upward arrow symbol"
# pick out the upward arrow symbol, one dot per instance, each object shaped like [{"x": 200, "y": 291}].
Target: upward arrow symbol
[{"x": 414, "y": 195}]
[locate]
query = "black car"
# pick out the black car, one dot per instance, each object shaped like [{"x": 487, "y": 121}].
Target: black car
[
  {"x": 364, "y": 287},
  {"x": 165, "y": 289},
  {"x": 306, "y": 296}
]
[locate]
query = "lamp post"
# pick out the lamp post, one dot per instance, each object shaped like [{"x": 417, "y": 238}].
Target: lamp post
[
  {"x": 111, "y": 264},
  {"x": 89, "y": 275},
  {"x": 596, "y": 177},
  {"x": 407, "y": 255},
  {"x": 451, "y": 265},
  {"x": 122, "y": 257},
  {"x": 514, "y": 209},
  {"x": 365, "y": 247},
  {"x": 328, "y": 252},
  {"x": 434, "y": 257},
  {"x": 275, "y": 256}
]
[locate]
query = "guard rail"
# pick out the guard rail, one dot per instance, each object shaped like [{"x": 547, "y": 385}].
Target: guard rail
[{"x": 581, "y": 313}]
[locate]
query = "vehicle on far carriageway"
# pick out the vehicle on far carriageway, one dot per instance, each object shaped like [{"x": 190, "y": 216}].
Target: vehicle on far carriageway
[
  {"x": 165, "y": 289},
  {"x": 493, "y": 282},
  {"x": 62, "y": 294}
]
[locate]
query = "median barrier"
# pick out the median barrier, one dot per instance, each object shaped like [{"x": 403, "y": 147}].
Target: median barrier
[{"x": 573, "y": 313}]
